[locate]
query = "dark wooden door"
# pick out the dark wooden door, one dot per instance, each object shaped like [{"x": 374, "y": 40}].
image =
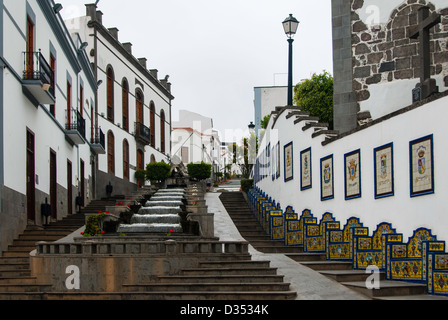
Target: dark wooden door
[
  {"x": 30, "y": 177},
  {"x": 53, "y": 184},
  {"x": 140, "y": 164},
  {"x": 29, "y": 49},
  {"x": 139, "y": 107},
  {"x": 69, "y": 188},
  {"x": 83, "y": 191}
]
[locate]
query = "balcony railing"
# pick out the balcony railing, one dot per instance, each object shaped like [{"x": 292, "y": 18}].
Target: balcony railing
[
  {"x": 75, "y": 126},
  {"x": 98, "y": 143},
  {"x": 142, "y": 133},
  {"x": 36, "y": 68}
]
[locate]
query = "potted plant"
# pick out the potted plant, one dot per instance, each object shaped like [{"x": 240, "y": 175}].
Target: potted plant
[
  {"x": 140, "y": 175},
  {"x": 157, "y": 173}
]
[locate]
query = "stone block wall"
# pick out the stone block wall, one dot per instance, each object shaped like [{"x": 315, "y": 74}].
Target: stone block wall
[
  {"x": 385, "y": 53},
  {"x": 380, "y": 53}
]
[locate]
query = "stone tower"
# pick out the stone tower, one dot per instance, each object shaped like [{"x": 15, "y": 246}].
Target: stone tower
[{"x": 376, "y": 62}]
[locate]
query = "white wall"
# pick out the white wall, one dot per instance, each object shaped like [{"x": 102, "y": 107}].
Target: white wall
[
  {"x": 404, "y": 212},
  {"x": 266, "y": 100}
]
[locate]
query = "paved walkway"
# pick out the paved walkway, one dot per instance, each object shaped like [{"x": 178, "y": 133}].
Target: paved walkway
[{"x": 309, "y": 284}]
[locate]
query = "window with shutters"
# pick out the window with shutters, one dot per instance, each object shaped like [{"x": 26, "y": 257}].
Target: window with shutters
[
  {"x": 152, "y": 116},
  {"x": 53, "y": 84},
  {"x": 110, "y": 94},
  {"x": 29, "y": 49},
  {"x": 110, "y": 152},
  {"x": 125, "y": 159},
  {"x": 162, "y": 131},
  {"x": 139, "y": 106},
  {"x": 81, "y": 98},
  {"x": 125, "y": 103}
]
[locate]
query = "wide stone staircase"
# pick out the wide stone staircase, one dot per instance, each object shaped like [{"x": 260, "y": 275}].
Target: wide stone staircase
[
  {"x": 251, "y": 230},
  {"x": 15, "y": 273},
  {"x": 217, "y": 276},
  {"x": 16, "y": 281},
  {"x": 234, "y": 277}
]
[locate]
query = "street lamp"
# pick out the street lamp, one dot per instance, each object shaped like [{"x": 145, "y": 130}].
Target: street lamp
[
  {"x": 290, "y": 25},
  {"x": 251, "y": 127}
]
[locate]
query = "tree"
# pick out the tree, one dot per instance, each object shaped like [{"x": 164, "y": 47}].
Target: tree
[
  {"x": 264, "y": 123},
  {"x": 315, "y": 96},
  {"x": 199, "y": 171},
  {"x": 245, "y": 155},
  {"x": 157, "y": 171}
]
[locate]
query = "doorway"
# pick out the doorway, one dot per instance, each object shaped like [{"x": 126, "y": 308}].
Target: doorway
[
  {"x": 69, "y": 188},
  {"x": 53, "y": 185},
  {"x": 30, "y": 177}
]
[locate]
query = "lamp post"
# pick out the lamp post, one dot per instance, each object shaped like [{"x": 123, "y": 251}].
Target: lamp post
[
  {"x": 251, "y": 127},
  {"x": 290, "y": 25}
]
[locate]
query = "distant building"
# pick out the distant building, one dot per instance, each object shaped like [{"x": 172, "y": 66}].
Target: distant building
[
  {"x": 195, "y": 140},
  {"x": 266, "y": 100}
]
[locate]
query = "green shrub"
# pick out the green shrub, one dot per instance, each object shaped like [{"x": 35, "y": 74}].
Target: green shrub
[
  {"x": 247, "y": 184},
  {"x": 93, "y": 225},
  {"x": 140, "y": 175},
  {"x": 200, "y": 171},
  {"x": 157, "y": 171}
]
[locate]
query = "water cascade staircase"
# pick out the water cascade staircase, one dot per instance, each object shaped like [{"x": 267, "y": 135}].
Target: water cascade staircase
[
  {"x": 217, "y": 276},
  {"x": 251, "y": 230}
]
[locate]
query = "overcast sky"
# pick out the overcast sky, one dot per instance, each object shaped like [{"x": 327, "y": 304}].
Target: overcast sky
[{"x": 217, "y": 51}]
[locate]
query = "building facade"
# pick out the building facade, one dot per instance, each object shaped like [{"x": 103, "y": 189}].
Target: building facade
[
  {"x": 266, "y": 99},
  {"x": 47, "y": 89},
  {"x": 133, "y": 107}
]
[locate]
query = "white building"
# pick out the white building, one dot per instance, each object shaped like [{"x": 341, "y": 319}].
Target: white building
[
  {"x": 195, "y": 140},
  {"x": 47, "y": 90},
  {"x": 266, "y": 100},
  {"x": 133, "y": 108}
]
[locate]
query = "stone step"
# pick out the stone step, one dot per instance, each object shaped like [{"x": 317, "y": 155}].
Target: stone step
[
  {"x": 6, "y": 261},
  {"x": 350, "y": 275},
  {"x": 221, "y": 278},
  {"x": 25, "y": 242},
  {"x": 24, "y": 288},
  {"x": 175, "y": 295},
  {"x": 307, "y": 257},
  {"x": 388, "y": 288},
  {"x": 47, "y": 238},
  {"x": 275, "y": 249},
  {"x": 206, "y": 287},
  {"x": 25, "y": 280},
  {"x": 55, "y": 232},
  {"x": 253, "y": 228},
  {"x": 16, "y": 254},
  {"x": 22, "y": 296},
  {"x": 14, "y": 266},
  {"x": 234, "y": 264},
  {"x": 267, "y": 243},
  {"x": 228, "y": 271},
  {"x": 254, "y": 233},
  {"x": 328, "y": 265},
  {"x": 24, "y": 248},
  {"x": 13, "y": 273}
]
